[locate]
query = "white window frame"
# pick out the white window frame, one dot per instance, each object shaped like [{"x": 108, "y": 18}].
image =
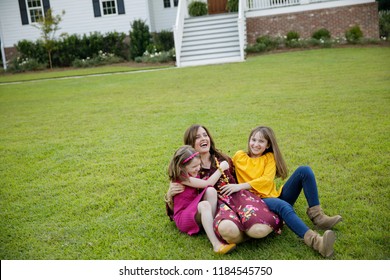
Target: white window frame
[
  {"x": 30, "y": 9},
  {"x": 102, "y": 9}
]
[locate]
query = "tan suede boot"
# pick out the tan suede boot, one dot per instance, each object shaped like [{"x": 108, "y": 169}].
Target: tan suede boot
[
  {"x": 320, "y": 220},
  {"x": 322, "y": 244}
]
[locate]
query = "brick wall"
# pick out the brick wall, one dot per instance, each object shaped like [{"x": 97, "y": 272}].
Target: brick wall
[{"x": 336, "y": 20}]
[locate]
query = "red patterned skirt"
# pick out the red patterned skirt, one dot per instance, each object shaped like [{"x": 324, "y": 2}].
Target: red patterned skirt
[{"x": 245, "y": 209}]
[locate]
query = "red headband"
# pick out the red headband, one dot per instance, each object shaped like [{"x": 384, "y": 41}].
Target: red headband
[{"x": 190, "y": 157}]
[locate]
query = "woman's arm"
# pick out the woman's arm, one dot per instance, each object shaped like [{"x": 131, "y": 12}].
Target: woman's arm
[{"x": 211, "y": 181}]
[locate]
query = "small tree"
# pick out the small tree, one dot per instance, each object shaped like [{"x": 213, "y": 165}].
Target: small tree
[
  {"x": 49, "y": 25},
  {"x": 140, "y": 38}
]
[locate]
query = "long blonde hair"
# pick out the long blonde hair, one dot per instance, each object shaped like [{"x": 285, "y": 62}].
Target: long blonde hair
[
  {"x": 269, "y": 135},
  {"x": 177, "y": 167}
]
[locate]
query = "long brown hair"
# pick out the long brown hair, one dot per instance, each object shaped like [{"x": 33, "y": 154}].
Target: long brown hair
[
  {"x": 269, "y": 135},
  {"x": 190, "y": 138}
]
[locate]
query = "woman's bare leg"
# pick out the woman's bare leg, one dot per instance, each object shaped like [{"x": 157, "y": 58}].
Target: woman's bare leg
[
  {"x": 259, "y": 231},
  {"x": 230, "y": 232}
]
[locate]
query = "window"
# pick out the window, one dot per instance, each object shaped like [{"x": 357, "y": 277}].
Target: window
[
  {"x": 108, "y": 7},
  {"x": 35, "y": 10},
  {"x": 167, "y": 3},
  {"x": 32, "y": 10}
]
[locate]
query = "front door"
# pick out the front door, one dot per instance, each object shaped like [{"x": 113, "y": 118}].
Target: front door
[{"x": 216, "y": 6}]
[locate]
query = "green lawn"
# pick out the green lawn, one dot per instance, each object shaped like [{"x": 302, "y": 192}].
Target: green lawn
[{"x": 83, "y": 160}]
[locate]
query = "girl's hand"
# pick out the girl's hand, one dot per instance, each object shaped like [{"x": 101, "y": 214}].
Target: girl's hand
[
  {"x": 230, "y": 188},
  {"x": 224, "y": 165}
]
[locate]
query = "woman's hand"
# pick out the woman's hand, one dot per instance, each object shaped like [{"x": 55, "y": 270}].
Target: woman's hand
[
  {"x": 174, "y": 189},
  {"x": 230, "y": 188},
  {"x": 224, "y": 165}
]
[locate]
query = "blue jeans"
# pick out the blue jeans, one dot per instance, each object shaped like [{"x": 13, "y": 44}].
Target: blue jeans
[{"x": 302, "y": 178}]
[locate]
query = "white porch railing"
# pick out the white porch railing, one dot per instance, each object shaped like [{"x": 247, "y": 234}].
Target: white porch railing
[
  {"x": 269, "y": 4},
  {"x": 241, "y": 27},
  {"x": 182, "y": 13},
  {"x": 244, "y": 6}
]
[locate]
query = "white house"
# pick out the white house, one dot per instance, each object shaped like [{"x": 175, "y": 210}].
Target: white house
[
  {"x": 82, "y": 16},
  {"x": 255, "y": 17}
]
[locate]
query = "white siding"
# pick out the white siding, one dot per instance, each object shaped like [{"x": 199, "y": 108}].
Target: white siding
[
  {"x": 163, "y": 18},
  {"x": 78, "y": 19}
]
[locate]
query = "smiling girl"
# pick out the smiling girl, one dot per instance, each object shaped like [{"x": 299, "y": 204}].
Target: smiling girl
[
  {"x": 256, "y": 170},
  {"x": 197, "y": 204}
]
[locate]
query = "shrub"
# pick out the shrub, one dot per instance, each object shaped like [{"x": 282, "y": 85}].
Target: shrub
[
  {"x": 71, "y": 47},
  {"x": 32, "y": 50},
  {"x": 139, "y": 38},
  {"x": 232, "y": 6},
  {"x": 292, "y": 35},
  {"x": 269, "y": 42},
  {"x": 292, "y": 40},
  {"x": 322, "y": 33},
  {"x": 197, "y": 8},
  {"x": 19, "y": 64},
  {"x": 101, "y": 59},
  {"x": 155, "y": 56},
  {"x": 323, "y": 43},
  {"x": 256, "y": 48},
  {"x": 164, "y": 40},
  {"x": 354, "y": 35}
]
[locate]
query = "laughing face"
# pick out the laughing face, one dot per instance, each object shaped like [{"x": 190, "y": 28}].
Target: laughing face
[
  {"x": 193, "y": 167},
  {"x": 202, "y": 141},
  {"x": 258, "y": 144}
]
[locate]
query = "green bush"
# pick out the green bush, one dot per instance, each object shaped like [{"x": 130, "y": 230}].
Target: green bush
[
  {"x": 232, "y": 6},
  {"x": 322, "y": 33},
  {"x": 32, "y": 50},
  {"x": 384, "y": 24},
  {"x": 163, "y": 40},
  {"x": 71, "y": 47},
  {"x": 292, "y": 35},
  {"x": 292, "y": 40},
  {"x": 19, "y": 64},
  {"x": 197, "y": 8},
  {"x": 140, "y": 38},
  {"x": 354, "y": 35},
  {"x": 154, "y": 56},
  {"x": 269, "y": 42},
  {"x": 383, "y": 5},
  {"x": 323, "y": 43},
  {"x": 256, "y": 48},
  {"x": 101, "y": 59}
]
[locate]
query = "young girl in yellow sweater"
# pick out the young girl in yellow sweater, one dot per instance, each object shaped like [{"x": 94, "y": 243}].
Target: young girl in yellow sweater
[{"x": 256, "y": 170}]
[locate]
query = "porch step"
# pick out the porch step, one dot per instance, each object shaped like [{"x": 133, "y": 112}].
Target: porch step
[{"x": 210, "y": 39}]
